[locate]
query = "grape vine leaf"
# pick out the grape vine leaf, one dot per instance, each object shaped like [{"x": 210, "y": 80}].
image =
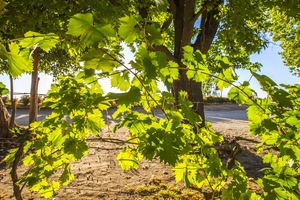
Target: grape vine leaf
[
  {"x": 241, "y": 95},
  {"x": 98, "y": 60},
  {"x": 129, "y": 158},
  {"x": 121, "y": 81},
  {"x": 67, "y": 176},
  {"x": 95, "y": 121},
  {"x": 154, "y": 35},
  {"x": 76, "y": 148},
  {"x": 3, "y": 89},
  {"x": 127, "y": 29},
  {"x": 18, "y": 60},
  {"x": 44, "y": 41},
  {"x": 266, "y": 83},
  {"x": 186, "y": 107},
  {"x": 127, "y": 98},
  {"x": 90, "y": 33}
]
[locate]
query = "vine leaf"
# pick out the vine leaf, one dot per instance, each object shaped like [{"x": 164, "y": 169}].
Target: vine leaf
[
  {"x": 127, "y": 98},
  {"x": 186, "y": 107},
  {"x": 154, "y": 35},
  {"x": 127, "y": 29},
  {"x": 266, "y": 83},
  {"x": 3, "y": 89},
  {"x": 196, "y": 64},
  {"x": 97, "y": 60},
  {"x": 76, "y": 148},
  {"x": 129, "y": 158},
  {"x": 95, "y": 121},
  {"x": 90, "y": 33},
  {"x": 121, "y": 81},
  {"x": 44, "y": 41},
  {"x": 228, "y": 75},
  {"x": 240, "y": 96},
  {"x": 67, "y": 176},
  {"x": 18, "y": 61}
]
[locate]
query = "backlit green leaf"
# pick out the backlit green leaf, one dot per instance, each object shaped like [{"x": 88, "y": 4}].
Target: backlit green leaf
[
  {"x": 128, "y": 98},
  {"x": 19, "y": 61},
  {"x": 67, "y": 176},
  {"x": 154, "y": 35},
  {"x": 187, "y": 111},
  {"x": 76, "y": 148},
  {"x": 90, "y": 33},
  {"x": 129, "y": 158},
  {"x": 127, "y": 29},
  {"x": 241, "y": 95},
  {"x": 121, "y": 81},
  {"x": 3, "y": 89},
  {"x": 44, "y": 41}
]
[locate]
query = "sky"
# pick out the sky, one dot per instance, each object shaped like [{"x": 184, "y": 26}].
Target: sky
[{"x": 270, "y": 59}]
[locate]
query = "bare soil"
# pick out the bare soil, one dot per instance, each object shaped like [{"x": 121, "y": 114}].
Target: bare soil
[{"x": 98, "y": 175}]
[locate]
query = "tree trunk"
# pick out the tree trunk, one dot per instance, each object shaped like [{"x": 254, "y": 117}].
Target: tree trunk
[
  {"x": 13, "y": 104},
  {"x": 184, "y": 22},
  {"x": 195, "y": 94},
  {"x": 184, "y": 26},
  {"x": 4, "y": 120},
  {"x": 33, "y": 110}
]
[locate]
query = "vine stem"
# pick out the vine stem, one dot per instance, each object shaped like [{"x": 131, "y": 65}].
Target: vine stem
[
  {"x": 139, "y": 79},
  {"x": 15, "y": 164}
]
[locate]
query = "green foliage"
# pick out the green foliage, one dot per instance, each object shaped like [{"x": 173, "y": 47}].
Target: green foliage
[
  {"x": 3, "y": 89},
  {"x": 59, "y": 141},
  {"x": 127, "y": 29},
  {"x": 276, "y": 120},
  {"x": 196, "y": 64},
  {"x": 242, "y": 94},
  {"x": 90, "y": 33},
  {"x": 44, "y": 41},
  {"x": 212, "y": 99},
  {"x": 177, "y": 138},
  {"x": 129, "y": 158},
  {"x": 25, "y": 99},
  {"x": 18, "y": 61}
]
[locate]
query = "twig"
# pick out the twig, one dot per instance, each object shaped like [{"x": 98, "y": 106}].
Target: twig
[
  {"x": 112, "y": 140},
  {"x": 97, "y": 190},
  {"x": 238, "y": 138}
]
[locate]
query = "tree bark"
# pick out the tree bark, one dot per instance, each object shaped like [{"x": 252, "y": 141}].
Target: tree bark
[
  {"x": 184, "y": 22},
  {"x": 4, "y": 120},
  {"x": 13, "y": 104},
  {"x": 33, "y": 109}
]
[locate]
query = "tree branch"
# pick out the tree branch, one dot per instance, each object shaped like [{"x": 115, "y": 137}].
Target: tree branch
[
  {"x": 173, "y": 7},
  {"x": 165, "y": 50},
  {"x": 208, "y": 28},
  {"x": 204, "y": 8},
  {"x": 167, "y": 24}
]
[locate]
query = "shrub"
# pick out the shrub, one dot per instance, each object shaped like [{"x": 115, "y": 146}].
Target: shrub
[
  {"x": 25, "y": 99},
  {"x": 211, "y": 99}
]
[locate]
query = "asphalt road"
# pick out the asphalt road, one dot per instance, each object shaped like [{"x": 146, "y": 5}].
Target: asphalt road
[{"x": 211, "y": 115}]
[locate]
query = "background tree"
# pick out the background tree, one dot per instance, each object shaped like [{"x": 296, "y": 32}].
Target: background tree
[{"x": 15, "y": 26}]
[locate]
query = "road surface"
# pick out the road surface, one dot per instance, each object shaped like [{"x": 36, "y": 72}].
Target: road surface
[{"x": 211, "y": 115}]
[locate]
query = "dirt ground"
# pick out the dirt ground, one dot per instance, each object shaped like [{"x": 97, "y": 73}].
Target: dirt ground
[{"x": 98, "y": 175}]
